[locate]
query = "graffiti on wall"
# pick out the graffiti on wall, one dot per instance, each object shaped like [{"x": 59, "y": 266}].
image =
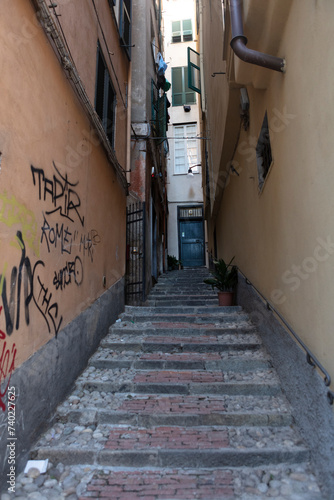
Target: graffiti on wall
[{"x": 33, "y": 281}]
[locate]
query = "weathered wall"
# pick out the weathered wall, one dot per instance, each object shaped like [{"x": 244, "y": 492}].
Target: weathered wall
[
  {"x": 62, "y": 208},
  {"x": 283, "y": 236}
]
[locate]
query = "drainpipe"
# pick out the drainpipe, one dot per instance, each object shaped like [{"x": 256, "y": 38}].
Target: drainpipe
[
  {"x": 201, "y": 56},
  {"x": 239, "y": 42}
]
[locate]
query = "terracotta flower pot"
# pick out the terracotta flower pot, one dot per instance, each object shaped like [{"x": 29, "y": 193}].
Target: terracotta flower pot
[{"x": 225, "y": 298}]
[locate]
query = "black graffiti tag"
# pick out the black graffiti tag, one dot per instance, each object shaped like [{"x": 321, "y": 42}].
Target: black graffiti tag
[
  {"x": 59, "y": 190},
  {"x": 72, "y": 270},
  {"x": 43, "y": 300},
  {"x": 57, "y": 236},
  {"x": 20, "y": 275},
  {"x": 24, "y": 277}
]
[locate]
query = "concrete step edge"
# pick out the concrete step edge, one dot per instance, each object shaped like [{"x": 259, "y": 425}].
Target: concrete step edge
[{"x": 173, "y": 458}]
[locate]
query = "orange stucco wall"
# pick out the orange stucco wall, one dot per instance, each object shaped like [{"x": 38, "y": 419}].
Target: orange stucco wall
[{"x": 62, "y": 208}]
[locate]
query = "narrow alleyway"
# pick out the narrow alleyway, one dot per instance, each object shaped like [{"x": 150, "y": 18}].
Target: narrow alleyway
[{"x": 179, "y": 402}]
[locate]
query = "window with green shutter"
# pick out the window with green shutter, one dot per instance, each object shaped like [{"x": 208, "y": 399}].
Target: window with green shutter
[
  {"x": 182, "y": 31},
  {"x": 194, "y": 71},
  {"x": 181, "y": 93},
  {"x": 176, "y": 32},
  {"x": 187, "y": 30}
]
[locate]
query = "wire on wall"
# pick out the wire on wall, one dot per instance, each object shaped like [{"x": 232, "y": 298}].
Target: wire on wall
[{"x": 60, "y": 46}]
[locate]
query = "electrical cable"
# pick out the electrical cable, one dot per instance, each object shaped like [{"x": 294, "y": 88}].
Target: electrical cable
[{"x": 72, "y": 74}]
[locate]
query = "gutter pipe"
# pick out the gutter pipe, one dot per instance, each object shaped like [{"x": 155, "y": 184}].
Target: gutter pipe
[{"x": 239, "y": 42}]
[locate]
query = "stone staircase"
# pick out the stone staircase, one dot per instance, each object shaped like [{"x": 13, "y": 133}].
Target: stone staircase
[{"x": 180, "y": 401}]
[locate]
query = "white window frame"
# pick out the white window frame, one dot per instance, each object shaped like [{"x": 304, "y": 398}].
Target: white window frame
[{"x": 185, "y": 149}]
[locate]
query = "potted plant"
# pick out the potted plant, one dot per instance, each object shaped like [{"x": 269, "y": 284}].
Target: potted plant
[
  {"x": 225, "y": 278},
  {"x": 173, "y": 263}
]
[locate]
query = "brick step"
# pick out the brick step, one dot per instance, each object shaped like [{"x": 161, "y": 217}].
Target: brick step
[
  {"x": 89, "y": 406},
  {"x": 203, "y": 484}
]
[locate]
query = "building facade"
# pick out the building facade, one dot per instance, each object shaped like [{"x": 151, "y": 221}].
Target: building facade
[
  {"x": 64, "y": 137},
  {"x": 146, "y": 256},
  {"x": 268, "y": 185},
  {"x": 186, "y": 228}
]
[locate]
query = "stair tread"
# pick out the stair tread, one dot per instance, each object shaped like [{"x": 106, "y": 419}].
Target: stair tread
[{"x": 179, "y": 389}]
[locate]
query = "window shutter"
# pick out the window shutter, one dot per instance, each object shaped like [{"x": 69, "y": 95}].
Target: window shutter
[
  {"x": 125, "y": 25},
  {"x": 177, "y": 86},
  {"x": 176, "y": 31},
  {"x": 194, "y": 72},
  {"x": 187, "y": 30},
  {"x": 110, "y": 114},
  {"x": 105, "y": 97},
  {"x": 99, "y": 91}
]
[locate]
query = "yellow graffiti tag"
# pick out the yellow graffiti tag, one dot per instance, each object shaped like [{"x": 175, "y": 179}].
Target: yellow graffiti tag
[{"x": 12, "y": 212}]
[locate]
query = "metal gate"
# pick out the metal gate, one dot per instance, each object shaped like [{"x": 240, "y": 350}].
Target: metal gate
[{"x": 135, "y": 254}]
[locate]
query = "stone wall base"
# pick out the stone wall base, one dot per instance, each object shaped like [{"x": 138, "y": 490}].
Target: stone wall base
[{"x": 45, "y": 379}]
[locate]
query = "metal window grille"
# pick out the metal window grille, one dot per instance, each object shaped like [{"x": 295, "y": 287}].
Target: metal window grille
[
  {"x": 191, "y": 213},
  {"x": 263, "y": 152}
]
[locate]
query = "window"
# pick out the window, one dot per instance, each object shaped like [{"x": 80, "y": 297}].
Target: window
[
  {"x": 194, "y": 72},
  {"x": 184, "y": 34},
  {"x": 185, "y": 148},
  {"x": 263, "y": 152},
  {"x": 181, "y": 93},
  {"x": 125, "y": 25},
  {"x": 105, "y": 97}
]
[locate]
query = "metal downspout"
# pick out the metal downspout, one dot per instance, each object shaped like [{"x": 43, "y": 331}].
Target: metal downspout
[{"x": 239, "y": 42}]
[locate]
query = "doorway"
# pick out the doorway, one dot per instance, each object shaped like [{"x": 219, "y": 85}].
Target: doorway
[{"x": 191, "y": 236}]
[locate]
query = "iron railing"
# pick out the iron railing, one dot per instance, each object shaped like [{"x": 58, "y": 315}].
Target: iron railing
[
  {"x": 310, "y": 357},
  {"x": 135, "y": 283}
]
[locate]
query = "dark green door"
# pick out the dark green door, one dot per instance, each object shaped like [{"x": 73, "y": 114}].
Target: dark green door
[{"x": 192, "y": 243}]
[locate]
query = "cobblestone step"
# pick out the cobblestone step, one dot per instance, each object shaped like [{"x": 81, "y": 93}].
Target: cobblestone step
[
  {"x": 240, "y": 345},
  {"x": 186, "y": 310},
  {"x": 162, "y": 446},
  {"x": 169, "y": 302},
  {"x": 200, "y": 319},
  {"x": 90, "y": 407},
  {"x": 173, "y": 329},
  {"x": 180, "y": 362}
]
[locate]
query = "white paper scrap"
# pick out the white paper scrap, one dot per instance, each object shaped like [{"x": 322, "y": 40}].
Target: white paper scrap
[{"x": 41, "y": 465}]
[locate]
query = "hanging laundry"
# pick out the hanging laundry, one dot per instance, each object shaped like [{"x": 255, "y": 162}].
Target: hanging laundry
[{"x": 162, "y": 66}]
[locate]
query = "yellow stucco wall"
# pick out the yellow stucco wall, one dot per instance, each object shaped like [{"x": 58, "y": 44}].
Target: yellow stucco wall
[
  {"x": 62, "y": 208},
  {"x": 283, "y": 237}
]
